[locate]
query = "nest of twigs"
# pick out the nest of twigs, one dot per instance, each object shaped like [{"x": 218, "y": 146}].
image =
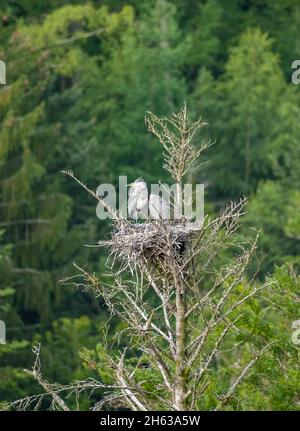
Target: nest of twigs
[{"x": 154, "y": 243}]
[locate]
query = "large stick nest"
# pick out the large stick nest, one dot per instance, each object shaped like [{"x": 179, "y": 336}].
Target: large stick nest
[{"x": 154, "y": 243}]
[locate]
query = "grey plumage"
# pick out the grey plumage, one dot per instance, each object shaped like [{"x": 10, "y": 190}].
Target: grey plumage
[
  {"x": 138, "y": 199},
  {"x": 158, "y": 208}
]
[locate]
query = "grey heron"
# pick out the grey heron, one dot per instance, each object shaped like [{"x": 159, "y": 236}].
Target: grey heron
[
  {"x": 138, "y": 199},
  {"x": 158, "y": 207}
]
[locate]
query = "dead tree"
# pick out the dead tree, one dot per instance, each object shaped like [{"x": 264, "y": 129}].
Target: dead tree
[{"x": 196, "y": 295}]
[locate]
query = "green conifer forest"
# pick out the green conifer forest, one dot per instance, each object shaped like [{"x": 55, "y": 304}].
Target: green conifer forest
[{"x": 80, "y": 78}]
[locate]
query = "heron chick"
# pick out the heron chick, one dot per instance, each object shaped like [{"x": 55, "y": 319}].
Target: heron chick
[{"x": 158, "y": 207}]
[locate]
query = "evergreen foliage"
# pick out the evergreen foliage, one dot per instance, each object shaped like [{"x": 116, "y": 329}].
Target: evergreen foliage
[{"x": 80, "y": 76}]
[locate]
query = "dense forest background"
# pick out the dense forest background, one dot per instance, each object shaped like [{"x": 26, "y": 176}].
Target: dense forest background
[{"x": 80, "y": 77}]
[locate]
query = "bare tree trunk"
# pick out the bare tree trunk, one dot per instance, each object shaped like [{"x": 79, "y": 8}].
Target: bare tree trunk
[{"x": 180, "y": 388}]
